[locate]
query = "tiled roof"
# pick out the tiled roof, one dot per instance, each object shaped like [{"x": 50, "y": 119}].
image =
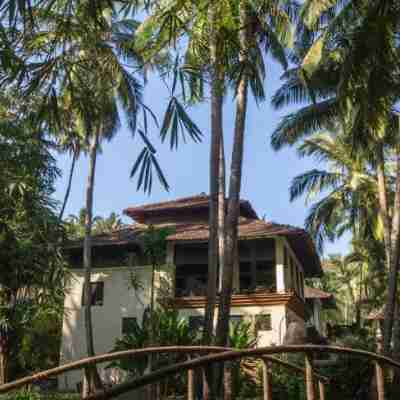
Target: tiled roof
[
  {"x": 313, "y": 293},
  {"x": 247, "y": 228},
  {"x": 126, "y": 235},
  {"x": 327, "y": 299},
  {"x": 192, "y": 202},
  {"x": 298, "y": 238},
  {"x": 377, "y": 314}
]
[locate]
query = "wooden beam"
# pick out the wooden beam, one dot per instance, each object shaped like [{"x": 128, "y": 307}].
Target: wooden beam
[
  {"x": 321, "y": 387},
  {"x": 190, "y": 385},
  {"x": 267, "y": 381},
  {"x": 380, "y": 381},
  {"x": 309, "y": 377}
]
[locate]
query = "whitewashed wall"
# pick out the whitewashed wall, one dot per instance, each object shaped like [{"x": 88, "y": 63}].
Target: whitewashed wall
[
  {"x": 265, "y": 338},
  {"x": 120, "y": 300}
]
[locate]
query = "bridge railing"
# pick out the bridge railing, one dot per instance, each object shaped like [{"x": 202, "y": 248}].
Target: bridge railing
[{"x": 219, "y": 354}]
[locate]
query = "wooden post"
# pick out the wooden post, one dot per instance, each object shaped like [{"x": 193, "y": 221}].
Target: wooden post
[
  {"x": 267, "y": 381},
  {"x": 228, "y": 381},
  {"x": 310, "y": 388},
  {"x": 380, "y": 381},
  {"x": 321, "y": 387},
  {"x": 190, "y": 385}
]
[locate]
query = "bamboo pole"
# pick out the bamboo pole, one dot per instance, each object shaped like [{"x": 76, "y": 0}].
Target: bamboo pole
[
  {"x": 225, "y": 354},
  {"x": 321, "y": 387},
  {"x": 309, "y": 377},
  {"x": 380, "y": 381},
  {"x": 190, "y": 385},
  {"x": 267, "y": 381}
]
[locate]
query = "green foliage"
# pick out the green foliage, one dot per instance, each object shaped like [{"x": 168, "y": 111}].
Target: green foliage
[
  {"x": 166, "y": 328},
  {"x": 23, "y": 394},
  {"x": 75, "y": 225},
  {"x": 241, "y": 336},
  {"x": 26, "y": 394},
  {"x": 155, "y": 244},
  {"x": 32, "y": 270}
]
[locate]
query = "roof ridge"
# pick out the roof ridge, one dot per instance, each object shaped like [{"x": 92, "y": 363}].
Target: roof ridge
[{"x": 199, "y": 196}]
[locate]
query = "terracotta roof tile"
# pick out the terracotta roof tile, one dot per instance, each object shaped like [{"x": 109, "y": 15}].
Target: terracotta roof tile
[
  {"x": 125, "y": 235},
  {"x": 314, "y": 293},
  {"x": 247, "y": 228},
  {"x": 198, "y": 201},
  {"x": 298, "y": 238}
]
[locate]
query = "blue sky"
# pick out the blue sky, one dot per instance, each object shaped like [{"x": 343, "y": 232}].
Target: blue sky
[{"x": 266, "y": 175}]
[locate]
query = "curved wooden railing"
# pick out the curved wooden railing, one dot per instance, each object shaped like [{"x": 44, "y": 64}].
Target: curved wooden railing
[{"x": 222, "y": 354}]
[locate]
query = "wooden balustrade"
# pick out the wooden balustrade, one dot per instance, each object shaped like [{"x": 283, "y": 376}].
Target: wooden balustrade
[{"x": 221, "y": 354}]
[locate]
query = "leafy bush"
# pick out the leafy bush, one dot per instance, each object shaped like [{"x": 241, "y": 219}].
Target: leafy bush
[
  {"x": 35, "y": 395},
  {"x": 169, "y": 330}
]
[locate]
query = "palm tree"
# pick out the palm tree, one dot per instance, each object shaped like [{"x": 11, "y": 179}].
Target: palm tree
[
  {"x": 365, "y": 32},
  {"x": 260, "y": 24},
  {"x": 109, "y": 224},
  {"x": 97, "y": 47},
  {"x": 348, "y": 186}
]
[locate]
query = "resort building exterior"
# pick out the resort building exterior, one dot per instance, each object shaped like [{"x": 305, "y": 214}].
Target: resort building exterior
[{"x": 272, "y": 263}]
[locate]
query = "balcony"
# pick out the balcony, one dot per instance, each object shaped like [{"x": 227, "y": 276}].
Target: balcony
[{"x": 257, "y": 298}]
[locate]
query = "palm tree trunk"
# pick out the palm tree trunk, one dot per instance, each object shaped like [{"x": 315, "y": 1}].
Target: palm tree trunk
[
  {"x": 383, "y": 202},
  {"x": 234, "y": 185},
  {"x": 394, "y": 264},
  {"x": 92, "y": 380},
  {"x": 213, "y": 242},
  {"x": 69, "y": 185},
  {"x": 221, "y": 211},
  {"x": 4, "y": 362},
  {"x": 151, "y": 388}
]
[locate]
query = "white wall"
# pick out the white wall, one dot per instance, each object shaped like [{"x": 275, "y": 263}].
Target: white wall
[
  {"x": 120, "y": 301},
  {"x": 265, "y": 338}
]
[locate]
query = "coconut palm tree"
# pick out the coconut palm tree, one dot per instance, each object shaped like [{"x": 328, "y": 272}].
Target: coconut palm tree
[
  {"x": 88, "y": 70},
  {"x": 365, "y": 33},
  {"x": 348, "y": 187}
]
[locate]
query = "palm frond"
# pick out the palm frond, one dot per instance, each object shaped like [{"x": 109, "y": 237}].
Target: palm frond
[
  {"x": 304, "y": 122},
  {"x": 314, "y": 182},
  {"x": 177, "y": 122}
]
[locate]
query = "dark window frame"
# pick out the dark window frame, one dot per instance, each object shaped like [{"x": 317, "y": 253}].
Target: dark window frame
[
  {"x": 125, "y": 324},
  {"x": 97, "y": 294},
  {"x": 263, "y": 319}
]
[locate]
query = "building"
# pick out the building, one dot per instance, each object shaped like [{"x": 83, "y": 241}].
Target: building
[{"x": 273, "y": 261}]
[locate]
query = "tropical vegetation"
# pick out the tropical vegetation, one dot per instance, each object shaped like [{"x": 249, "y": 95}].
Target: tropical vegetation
[{"x": 72, "y": 71}]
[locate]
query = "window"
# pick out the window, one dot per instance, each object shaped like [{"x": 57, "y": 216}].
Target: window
[
  {"x": 266, "y": 275},
  {"x": 235, "y": 319},
  {"x": 196, "y": 323},
  {"x": 97, "y": 294},
  {"x": 128, "y": 325},
  {"x": 263, "y": 323}
]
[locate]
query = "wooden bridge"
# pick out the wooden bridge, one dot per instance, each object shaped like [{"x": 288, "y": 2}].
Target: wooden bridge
[{"x": 206, "y": 355}]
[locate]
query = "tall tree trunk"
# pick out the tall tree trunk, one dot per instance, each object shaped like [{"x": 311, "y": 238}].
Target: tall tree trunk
[
  {"x": 213, "y": 242},
  {"x": 221, "y": 211},
  {"x": 92, "y": 380},
  {"x": 152, "y": 389},
  {"x": 4, "y": 361},
  {"x": 394, "y": 264},
  {"x": 383, "y": 202},
  {"x": 234, "y": 183},
  {"x": 69, "y": 185},
  {"x": 216, "y": 134}
]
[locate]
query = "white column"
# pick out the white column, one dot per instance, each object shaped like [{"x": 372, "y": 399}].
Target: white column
[{"x": 280, "y": 267}]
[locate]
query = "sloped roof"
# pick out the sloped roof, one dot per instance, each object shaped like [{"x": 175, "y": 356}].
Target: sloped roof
[
  {"x": 126, "y": 235},
  {"x": 200, "y": 201},
  {"x": 377, "y": 314},
  {"x": 298, "y": 238},
  {"x": 314, "y": 293},
  {"x": 327, "y": 299}
]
